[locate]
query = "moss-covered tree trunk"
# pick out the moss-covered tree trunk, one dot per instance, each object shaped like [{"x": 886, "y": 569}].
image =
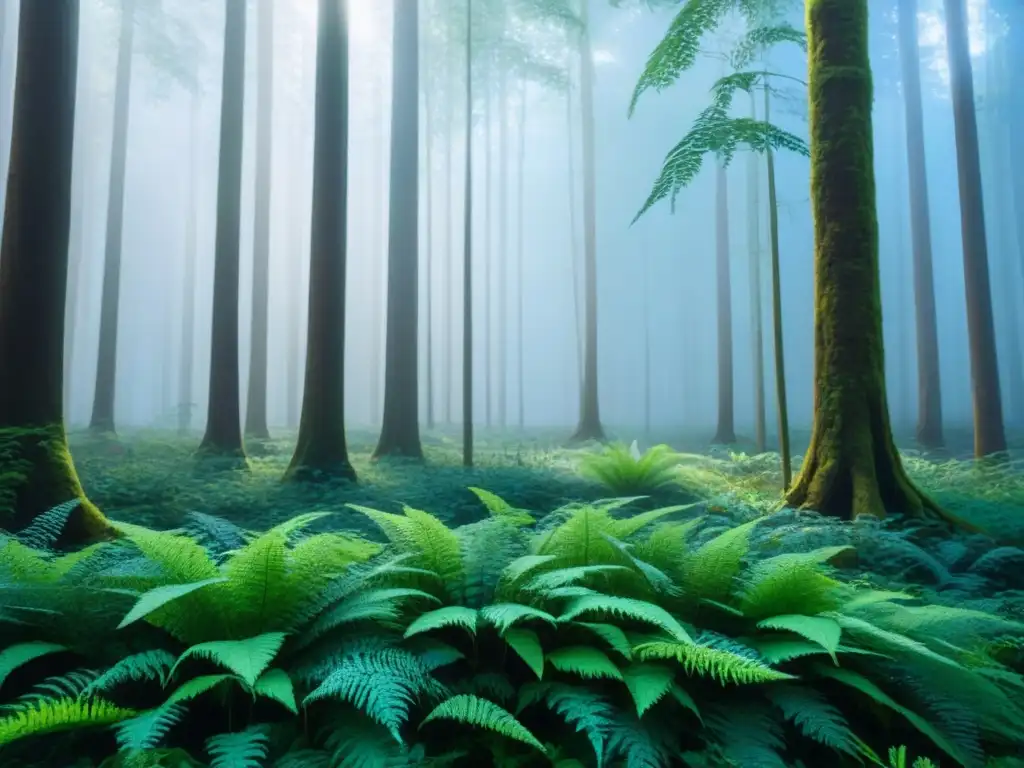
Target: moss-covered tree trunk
[
  {"x": 989, "y": 432},
  {"x": 223, "y": 421},
  {"x": 38, "y": 472},
  {"x": 852, "y": 467},
  {"x": 589, "y": 427},
  {"x": 256, "y": 402},
  {"x": 321, "y": 451},
  {"x": 400, "y": 430},
  {"x": 106, "y": 362}
]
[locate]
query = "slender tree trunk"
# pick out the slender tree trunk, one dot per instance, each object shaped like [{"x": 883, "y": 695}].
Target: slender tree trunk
[
  {"x": 647, "y": 344},
  {"x": 1014, "y": 42},
  {"x": 467, "y": 256},
  {"x": 520, "y": 251},
  {"x": 726, "y": 433},
  {"x": 574, "y": 255},
  {"x": 851, "y": 467},
  {"x": 428, "y": 288},
  {"x": 756, "y": 329},
  {"x": 378, "y": 265},
  {"x": 989, "y": 434},
  {"x": 449, "y": 242},
  {"x": 256, "y": 402},
  {"x": 321, "y": 451},
  {"x": 485, "y": 254},
  {"x": 501, "y": 347},
  {"x": 5, "y": 137},
  {"x": 223, "y": 420},
  {"x": 296, "y": 242},
  {"x": 33, "y": 272},
  {"x": 104, "y": 395},
  {"x": 400, "y": 429},
  {"x": 186, "y": 369},
  {"x": 589, "y": 427},
  {"x": 929, "y": 391}
]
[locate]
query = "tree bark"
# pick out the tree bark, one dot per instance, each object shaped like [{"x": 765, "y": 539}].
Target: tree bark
[
  {"x": 851, "y": 467},
  {"x": 186, "y": 369},
  {"x": 726, "y": 432},
  {"x": 449, "y": 241},
  {"x": 223, "y": 421},
  {"x": 33, "y": 276},
  {"x": 1014, "y": 41},
  {"x": 378, "y": 265},
  {"x": 577, "y": 314},
  {"x": 256, "y": 402},
  {"x": 428, "y": 288},
  {"x": 929, "y": 391},
  {"x": 501, "y": 345},
  {"x": 989, "y": 433},
  {"x": 400, "y": 429},
  {"x": 756, "y": 327},
  {"x": 104, "y": 395},
  {"x": 321, "y": 451},
  {"x": 485, "y": 251},
  {"x": 589, "y": 427},
  {"x": 520, "y": 229},
  {"x": 467, "y": 256}
]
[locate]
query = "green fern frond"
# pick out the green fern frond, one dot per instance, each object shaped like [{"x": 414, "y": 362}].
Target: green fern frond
[
  {"x": 648, "y": 684},
  {"x": 51, "y": 715},
  {"x": 159, "y": 597},
  {"x": 523, "y": 565},
  {"x": 144, "y": 666},
  {"x": 611, "y": 634},
  {"x": 526, "y": 645},
  {"x": 563, "y": 577},
  {"x": 472, "y": 710},
  {"x": 277, "y": 685},
  {"x": 816, "y": 719},
  {"x": 760, "y": 38},
  {"x": 715, "y": 663},
  {"x": 709, "y": 572},
  {"x": 448, "y": 616},
  {"x": 15, "y": 656},
  {"x": 502, "y": 616},
  {"x": 818, "y": 629},
  {"x": 245, "y": 749},
  {"x": 434, "y": 546},
  {"x": 627, "y": 608},
  {"x": 791, "y": 583},
  {"x": 248, "y": 659},
  {"x": 584, "y": 661},
  {"x": 500, "y": 508},
  {"x": 380, "y": 605},
  {"x": 587, "y": 711}
]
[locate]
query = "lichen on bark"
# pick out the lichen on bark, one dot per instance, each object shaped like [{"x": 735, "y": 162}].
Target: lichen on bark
[{"x": 852, "y": 467}]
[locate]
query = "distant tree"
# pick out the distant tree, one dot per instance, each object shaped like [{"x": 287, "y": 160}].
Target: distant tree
[
  {"x": 989, "y": 432},
  {"x": 223, "y": 421},
  {"x": 39, "y": 472},
  {"x": 400, "y": 433},
  {"x": 321, "y": 451}
]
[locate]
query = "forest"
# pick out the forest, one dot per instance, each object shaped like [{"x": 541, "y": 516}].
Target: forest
[{"x": 514, "y": 383}]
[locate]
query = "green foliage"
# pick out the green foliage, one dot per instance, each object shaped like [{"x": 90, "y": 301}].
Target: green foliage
[
  {"x": 624, "y": 471},
  {"x": 597, "y": 634}
]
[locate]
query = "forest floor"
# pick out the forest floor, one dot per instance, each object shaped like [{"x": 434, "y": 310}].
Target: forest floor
[{"x": 152, "y": 478}]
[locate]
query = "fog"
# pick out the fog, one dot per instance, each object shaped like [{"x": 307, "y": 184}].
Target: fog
[{"x": 656, "y": 277}]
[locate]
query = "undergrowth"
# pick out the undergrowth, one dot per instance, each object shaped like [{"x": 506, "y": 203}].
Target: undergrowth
[{"x": 601, "y": 635}]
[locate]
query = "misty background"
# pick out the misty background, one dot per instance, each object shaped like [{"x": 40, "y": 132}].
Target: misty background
[{"x": 656, "y": 277}]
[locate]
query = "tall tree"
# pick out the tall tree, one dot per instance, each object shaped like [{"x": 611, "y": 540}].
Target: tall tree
[
  {"x": 929, "y": 392},
  {"x": 756, "y": 289},
  {"x": 33, "y": 272},
  {"x": 321, "y": 451},
  {"x": 989, "y": 433},
  {"x": 106, "y": 363},
  {"x": 256, "y": 402},
  {"x": 851, "y": 467},
  {"x": 400, "y": 431},
  {"x": 186, "y": 368},
  {"x": 726, "y": 432},
  {"x": 223, "y": 421},
  {"x": 467, "y": 254}
]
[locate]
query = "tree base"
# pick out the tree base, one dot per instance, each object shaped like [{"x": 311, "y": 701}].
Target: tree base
[
  {"x": 319, "y": 462},
  {"x": 39, "y": 475},
  {"x": 724, "y": 437},
  {"x": 220, "y": 459},
  {"x": 588, "y": 431},
  {"x": 409, "y": 452}
]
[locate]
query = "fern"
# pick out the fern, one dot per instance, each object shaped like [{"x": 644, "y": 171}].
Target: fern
[
  {"x": 715, "y": 663},
  {"x": 248, "y": 659},
  {"x": 245, "y": 749},
  {"x": 51, "y": 715},
  {"x": 472, "y": 710}
]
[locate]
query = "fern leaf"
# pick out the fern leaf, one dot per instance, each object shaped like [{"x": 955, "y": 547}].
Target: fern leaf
[
  {"x": 716, "y": 663},
  {"x": 50, "y": 715},
  {"x": 18, "y": 655},
  {"x": 625, "y": 607},
  {"x": 823, "y": 631},
  {"x": 472, "y": 710},
  {"x": 815, "y": 718},
  {"x": 147, "y": 729},
  {"x": 196, "y": 687},
  {"x": 45, "y": 530},
  {"x": 504, "y": 615},
  {"x": 584, "y": 661},
  {"x": 709, "y": 572},
  {"x": 527, "y": 646},
  {"x": 275, "y": 684},
  {"x": 564, "y": 577},
  {"x": 449, "y": 616},
  {"x": 500, "y": 508},
  {"x": 647, "y": 684},
  {"x": 523, "y": 565},
  {"x": 611, "y": 634},
  {"x": 246, "y": 749},
  {"x": 158, "y": 597},
  {"x": 248, "y": 659},
  {"x": 147, "y": 665}
]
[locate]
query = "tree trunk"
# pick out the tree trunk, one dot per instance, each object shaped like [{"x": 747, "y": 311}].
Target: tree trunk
[
  {"x": 726, "y": 432},
  {"x": 223, "y": 421},
  {"x": 577, "y": 314},
  {"x": 5, "y": 138},
  {"x": 33, "y": 275},
  {"x": 782, "y": 404},
  {"x": 1014, "y": 42},
  {"x": 929, "y": 391},
  {"x": 467, "y": 256},
  {"x": 485, "y": 252},
  {"x": 589, "y": 427},
  {"x": 256, "y": 402},
  {"x": 428, "y": 260},
  {"x": 400, "y": 429},
  {"x": 989, "y": 434},
  {"x": 106, "y": 362},
  {"x": 647, "y": 343},
  {"x": 851, "y": 467},
  {"x": 321, "y": 451},
  {"x": 449, "y": 243},
  {"x": 520, "y": 229},
  {"x": 756, "y": 329},
  {"x": 379, "y": 263},
  {"x": 501, "y": 345},
  {"x": 186, "y": 369}
]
